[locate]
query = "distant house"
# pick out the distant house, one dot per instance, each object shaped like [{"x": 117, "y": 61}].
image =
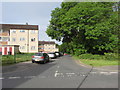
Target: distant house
[
  {"x": 26, "y": 36},
  {"x": 47, "y": 46}
]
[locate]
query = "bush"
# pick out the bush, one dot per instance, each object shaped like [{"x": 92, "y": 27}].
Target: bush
[
  {"x": 111, "y": 56},
  {"x": 107, "y": 56},
  {"x": 80, "y": 51}
]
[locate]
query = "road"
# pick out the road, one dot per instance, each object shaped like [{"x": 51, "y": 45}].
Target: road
[{"x": 62, "y": 72}]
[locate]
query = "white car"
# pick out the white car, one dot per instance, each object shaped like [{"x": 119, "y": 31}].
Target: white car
[{"x": 52, "y": 55}]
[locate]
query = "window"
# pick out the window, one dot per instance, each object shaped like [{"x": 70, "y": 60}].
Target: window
[
  {"x": 32, "y": 39},
  {"x": 13, "y": 39},
  {"x": 32, "y": 47},
  {"x": 32, "y": 31},
  {"x": 0, "y": 38},
  {"x": 1, "y": 30},
  {"x": 41, "y": 48},
  {"x": 22, "y": 39},
  {"x": 22, "y": 30},
  {"x": 22, "y": 47},
  {"x": 13, "y": 31},
  {"x": 5, "y": 38}
]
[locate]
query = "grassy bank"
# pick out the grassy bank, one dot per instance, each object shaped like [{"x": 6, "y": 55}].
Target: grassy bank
[
  {"x": 11, "y": 59},
  {"x": 98, "y": 60}
]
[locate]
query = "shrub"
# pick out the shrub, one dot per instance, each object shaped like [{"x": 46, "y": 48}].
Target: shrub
[
  {"x": 111, "y": 56},
  {"x": 107, "y": 56}
]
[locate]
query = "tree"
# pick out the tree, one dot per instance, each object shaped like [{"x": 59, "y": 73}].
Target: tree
[{"x": 85, "y": 27}]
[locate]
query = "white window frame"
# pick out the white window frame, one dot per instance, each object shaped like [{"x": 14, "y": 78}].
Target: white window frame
[
  {"x": 22, "y": 30},
  {"x": 22, "y": 47},
  {"x": 13, "y": 31},
  {"x": 22, "y": 39},
  {"x": 13, "y": 39},
  {"x": 32, "y": 47}
]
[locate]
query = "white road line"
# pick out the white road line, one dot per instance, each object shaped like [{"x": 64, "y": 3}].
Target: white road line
[
  {"x": 113, "y": 72},
  {"x": 2, "y": 78},
  {"x": 14, "y": 77},
  {"x": 56, "y": 74},
  {"x": 29, "y": 76},
  {"x": 70, "y": 73},
  {"x": 56, "y": 71},
  {"x": 93, "y": 72}
]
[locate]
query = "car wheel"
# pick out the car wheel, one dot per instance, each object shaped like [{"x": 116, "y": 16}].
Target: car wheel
[
  {"x": 32, "y": 61},
  {"x": 44, "y": 62},
  {"x": 48, "y": 60}
]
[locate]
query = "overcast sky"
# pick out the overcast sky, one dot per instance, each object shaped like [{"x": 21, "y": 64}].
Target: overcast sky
[{"x": 35, "y": 13}]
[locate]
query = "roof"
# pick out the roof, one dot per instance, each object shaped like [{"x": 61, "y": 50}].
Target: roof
[
  {"x": 46, "y": 42},
  {"x": 18, "y": 26}
]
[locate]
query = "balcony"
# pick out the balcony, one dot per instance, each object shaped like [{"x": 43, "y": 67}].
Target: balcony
[
  {"x": 4, "y": 34},
  {"x": 3, "y": 43}
]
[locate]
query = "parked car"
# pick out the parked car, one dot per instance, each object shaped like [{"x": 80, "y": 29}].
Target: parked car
[
  {"x": 40, "y": 57},
  {"x": 52, "y": 55},
  {"x": 65, "y": 54},
  {"x": 57, "y": 54},
  {"x": 61, "y": 53}
]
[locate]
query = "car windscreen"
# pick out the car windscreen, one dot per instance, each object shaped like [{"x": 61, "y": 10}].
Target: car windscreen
[
  {"x": 50, "y": 53},
  {"x": 39, "y": 54}
]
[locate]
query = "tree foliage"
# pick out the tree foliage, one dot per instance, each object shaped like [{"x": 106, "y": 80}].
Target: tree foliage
[{"x": 85, "y": 27}]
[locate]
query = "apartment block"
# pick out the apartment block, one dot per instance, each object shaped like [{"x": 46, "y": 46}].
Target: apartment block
[
  {"x": 26, "y": 36},
  {"x": 47, "y": 46}
]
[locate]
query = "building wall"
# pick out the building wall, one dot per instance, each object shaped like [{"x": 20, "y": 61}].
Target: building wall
[
  {"x": 6, "y": 49},
  {"x": 48, "y": 48},
  {"x": 4, "y": 37},
  {"x": 33, "y": 40},
  {"x": 23, "y": 38}
]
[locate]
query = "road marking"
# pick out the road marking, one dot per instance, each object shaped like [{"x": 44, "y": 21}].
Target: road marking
[
  {"x": 14, "y": 77},
  {"x": 113, "y": 72},
  {"x": 2, "y": 78},
  {"x": 105, "y": 73},
  {"x": 29, "y": 76},
  {"x": 56, "y": 72},
  {"x": 70, "y": 73},
  {"x": 93, "y": 72}
]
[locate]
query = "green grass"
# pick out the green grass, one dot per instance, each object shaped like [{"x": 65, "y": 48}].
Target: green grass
[
  {"x": 98, "y": 60},
  {"x": 11, "y": 59}
]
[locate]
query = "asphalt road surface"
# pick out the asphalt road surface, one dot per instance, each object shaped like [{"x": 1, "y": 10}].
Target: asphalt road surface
[{"x": 62, "y": 72}]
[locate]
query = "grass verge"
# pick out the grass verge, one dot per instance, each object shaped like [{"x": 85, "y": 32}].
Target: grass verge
[
  {"x": 12, "y": 59},
  {"x": 98, "y": 60}
]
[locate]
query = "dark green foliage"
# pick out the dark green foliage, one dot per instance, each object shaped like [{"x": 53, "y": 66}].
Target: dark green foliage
[{"x": 85, "y": 27}]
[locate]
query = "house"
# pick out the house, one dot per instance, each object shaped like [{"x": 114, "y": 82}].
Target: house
[
  {"x": 47, "y": 46},
  {"x": 26, "y": 36}
]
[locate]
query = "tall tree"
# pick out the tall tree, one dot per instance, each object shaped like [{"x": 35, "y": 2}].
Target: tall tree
[{"x": 86, "y": 26}]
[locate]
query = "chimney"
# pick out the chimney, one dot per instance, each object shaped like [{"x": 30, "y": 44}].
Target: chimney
[{"x": 26, "y": 23}]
